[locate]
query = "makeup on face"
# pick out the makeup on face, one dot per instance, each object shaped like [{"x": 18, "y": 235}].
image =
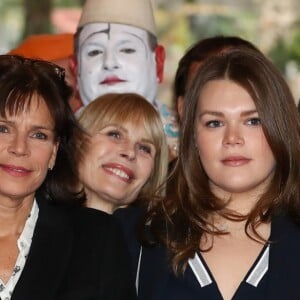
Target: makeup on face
[{"x": 115, "y": 58}]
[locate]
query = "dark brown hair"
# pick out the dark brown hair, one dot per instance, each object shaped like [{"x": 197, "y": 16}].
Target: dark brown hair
[
  {"x": 181, "y": 220},
  {"x": 201, "y": 51},
  {"x": 21, "y": 79}
]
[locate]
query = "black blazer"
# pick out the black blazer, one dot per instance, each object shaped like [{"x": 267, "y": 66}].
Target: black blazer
[{"x": 78, "y": 254}]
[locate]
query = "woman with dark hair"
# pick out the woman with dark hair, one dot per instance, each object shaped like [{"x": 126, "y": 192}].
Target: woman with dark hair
[
  {"x": 231, "y": 226},
  {"x": 49, "y": 249}
]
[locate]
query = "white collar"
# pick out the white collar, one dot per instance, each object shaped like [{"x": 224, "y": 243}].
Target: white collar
[{"x": 24, "y": 241}]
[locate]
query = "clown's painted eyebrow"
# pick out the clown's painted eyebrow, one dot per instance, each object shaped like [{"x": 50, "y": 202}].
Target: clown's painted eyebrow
[
  {"x": 138, "y": 37},
  {"x": 105, "y": 31},
  {"x": 108, "y": 32}
]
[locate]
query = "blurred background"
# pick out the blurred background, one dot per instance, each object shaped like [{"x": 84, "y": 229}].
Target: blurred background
[{"x": 272, "y": 25}]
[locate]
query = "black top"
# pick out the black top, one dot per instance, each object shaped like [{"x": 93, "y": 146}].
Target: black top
[
  {"x": 76, "y": 254},
  {"x": 128, "y": 219},
  {"x": 189, "y": 287},
  {"x": 275, "y": 274}
]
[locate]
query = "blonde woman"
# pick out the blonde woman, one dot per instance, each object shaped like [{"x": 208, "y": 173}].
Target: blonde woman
[
  {"x": 123, "y": 160},
  {"x": 124, "y": 155}
]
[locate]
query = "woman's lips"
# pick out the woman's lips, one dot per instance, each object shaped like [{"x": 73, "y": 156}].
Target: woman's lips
[
  {"x": 16, "y": 171},
  {"x": 120, "y": 171},
  {"x": 235, "y": 161}
]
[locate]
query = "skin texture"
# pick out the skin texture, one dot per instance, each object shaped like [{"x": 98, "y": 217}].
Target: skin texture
[
  {"x": 27, "y": 149},
  {"x": 115, "y": 58},
  {"x": 232, "y": 146},
  {"x": 118, "y": 162}
]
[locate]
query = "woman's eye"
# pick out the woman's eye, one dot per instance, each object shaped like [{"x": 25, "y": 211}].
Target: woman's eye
[
  {"x": 254, "y": 121},
  {"x": 213, "y": 123},
  {"x": 40, "y": 136},
  {"x": 3, "y": 129},
  {"x": 114, "y": 133},
  {"x": 145, "y": 148}
]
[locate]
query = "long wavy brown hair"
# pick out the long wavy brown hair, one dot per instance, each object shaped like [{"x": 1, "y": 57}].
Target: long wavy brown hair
[{"x": 180, "y": 220}]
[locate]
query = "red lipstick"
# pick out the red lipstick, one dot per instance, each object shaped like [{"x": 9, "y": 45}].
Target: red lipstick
[{"x": 111, "y": 80}]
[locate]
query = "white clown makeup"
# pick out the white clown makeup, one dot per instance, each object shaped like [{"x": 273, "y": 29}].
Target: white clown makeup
[{"x": 115, "y": 58}]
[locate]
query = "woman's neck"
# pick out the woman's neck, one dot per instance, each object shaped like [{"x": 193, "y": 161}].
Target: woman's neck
[
  {"x": 99, "y": 205},
  {"x": 13, "y": 215}
]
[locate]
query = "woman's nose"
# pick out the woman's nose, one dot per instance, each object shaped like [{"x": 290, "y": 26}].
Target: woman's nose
[
  {"x": 233, "y": 136},
  {"x": 18, "y": 145},
  {"x": 128, "y": 151}
]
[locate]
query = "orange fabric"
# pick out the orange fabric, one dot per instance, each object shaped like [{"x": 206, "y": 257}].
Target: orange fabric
[{"x": 46, "y": 46}]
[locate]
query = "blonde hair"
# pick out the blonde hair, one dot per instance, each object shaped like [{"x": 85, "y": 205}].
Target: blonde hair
[{"x": 123, "y": 108}]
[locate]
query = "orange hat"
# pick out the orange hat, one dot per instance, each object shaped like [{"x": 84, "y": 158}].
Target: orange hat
[{"x": 46, "y": 46}]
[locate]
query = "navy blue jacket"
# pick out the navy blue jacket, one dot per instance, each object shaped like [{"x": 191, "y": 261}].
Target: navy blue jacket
[{"x": 282, "y": 280}]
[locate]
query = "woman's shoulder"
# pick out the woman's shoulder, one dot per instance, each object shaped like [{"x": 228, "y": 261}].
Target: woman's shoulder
[
  {"x": 285, "y": 234},
  {"x": 284, "y": 225},
  {"x": 131, "y": 214}
]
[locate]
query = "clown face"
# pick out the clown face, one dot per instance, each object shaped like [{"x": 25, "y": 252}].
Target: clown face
[{"x": 115, "y": 58}]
